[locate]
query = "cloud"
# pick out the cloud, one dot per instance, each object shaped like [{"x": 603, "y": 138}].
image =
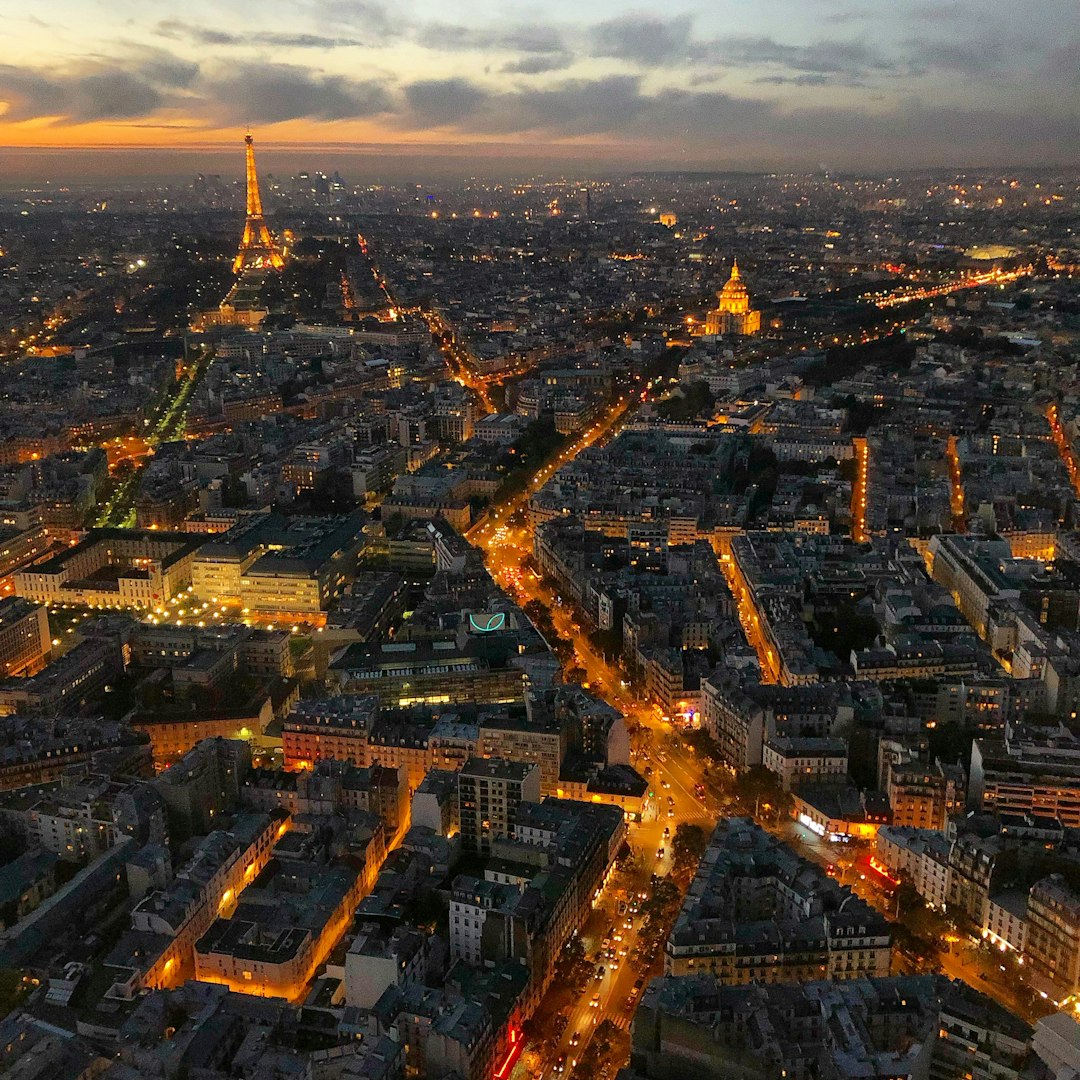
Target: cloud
[
  {"x": 845, "y": 60},
  {"x": 440, "y": 102},
  {"x": 140, "y": 85},
  {"x": 538, "y": 64},
  {"x": 201, "y": 35},
  {"x": 368, "y": 16},
  {"x": 1063, "y": 63},
  {"x": 271, "y": 93},
  {"x": 572, "y": 108},
  {"x": 939, "y": 11},
  {"x": 109, "y": 95},
  {"x": 665, "y": 112},
  {"x": 806, "y": 79},
  {"x": 640, "y": 39},
  {"x": 983, "y": 58},
  {"x": 527, "y": 38}
]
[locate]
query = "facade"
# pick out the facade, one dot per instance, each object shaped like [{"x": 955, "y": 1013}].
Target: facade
[
  {"x": 25, "y": 642},
  {"x": 534, "y": 738},
  {"x": 380, "y": 957},
  {"x": 1028, "y": 770},
  {"x": 66, "y": 684},
  {"x": 435, "y": 672},
  {"x": 923, "y": 796},
  {"x": 490, "y": 790},
  {"x": 114, "y": 568},
  {"x": 890, "y": 1028},
  {"x": 1053, "y": 936},
  {"x": 921, "y": 856},
  {"x": 174, "y": 918},
  {"x": 283, "y": 927},
  {"x": 796, "y": 761},
  {"x": 336, "y": 728},
  {"x": 172, "y": 736},
  {"x": 550, "y": 867},
  {"x": 282, "y": 567},
  {"x": 758, "y": 913}
]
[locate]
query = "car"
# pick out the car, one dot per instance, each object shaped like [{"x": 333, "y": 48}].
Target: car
[
  {"x": 600, "y": 972},
  {"x": 595, "y": 1003},
  {"x": 629, "y": 1003},
  {"x": 664, "y": 784},
  {"x": 671, "y": 811},
  {"x": 660, "y": 853},
  {"x": 671, "y": 800},
  {"x": 667, "y": 830},
  {"x": 639, "y": 982},
  {"x": 575, "y": 1038},
  {"x": 560, "y": 1064}
]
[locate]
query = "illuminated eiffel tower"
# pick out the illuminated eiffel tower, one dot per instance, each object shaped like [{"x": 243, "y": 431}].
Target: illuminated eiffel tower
[{"x": 257, "y": 247}]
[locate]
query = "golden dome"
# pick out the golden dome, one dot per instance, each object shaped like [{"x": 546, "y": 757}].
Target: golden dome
[{"x": 734, "y": 296}]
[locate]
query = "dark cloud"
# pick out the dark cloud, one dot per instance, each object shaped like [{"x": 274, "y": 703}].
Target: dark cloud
[
  {"x": 574, "y": 106},
  {"x": 28, "y": 94},
  {"x": 538, "y": 64},
  {"x": 144, "y": 87},
  {"x": 712, "y": 124},
  {"x": 201, "y": 35},
  {"x": 270, "y": 93},
  {"x": 846, "y": 60},
  {"x": 110, "y": 95},
  {"x": 441, "y": 102},
  {"x": 641, "y": 39},
  {"x": 528, "y": 38},
  {"x": 163, "y": 68},
  {"x": 136, "y": 87},
  {"x": 969, "y": 57},
  {"x": 581, "y": 107},
  {"x": 806, "y": 79},
  {"x": 1063, "y": 64}
]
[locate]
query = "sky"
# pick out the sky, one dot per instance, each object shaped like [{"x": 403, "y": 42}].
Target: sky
[{"x": 747, "y": 84}]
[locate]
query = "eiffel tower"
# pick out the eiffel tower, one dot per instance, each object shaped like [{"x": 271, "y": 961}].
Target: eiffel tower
[{"x": 257, "y": 247}]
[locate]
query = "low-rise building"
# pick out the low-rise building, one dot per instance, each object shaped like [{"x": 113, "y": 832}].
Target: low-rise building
[
  {"x": 796, "y": 761},
  {"x": 758, "y": 913}
]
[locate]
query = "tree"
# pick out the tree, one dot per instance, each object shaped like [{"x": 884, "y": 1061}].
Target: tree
[
  {"x": 760, "y": 792},
  {"x": 689, "y": 844}
]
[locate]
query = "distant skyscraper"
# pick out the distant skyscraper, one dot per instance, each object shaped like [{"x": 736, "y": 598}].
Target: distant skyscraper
[
  {"x": 733, "y": 314},
  {"x": 257, "y": 247}
]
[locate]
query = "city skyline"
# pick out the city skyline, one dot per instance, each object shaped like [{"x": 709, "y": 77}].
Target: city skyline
[
  {"x": 540, "y": 544},
  {"x": 812, "y": 85}
]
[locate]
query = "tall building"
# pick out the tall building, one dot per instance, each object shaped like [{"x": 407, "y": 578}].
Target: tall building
[
  {"x": 258, "y": 250},
  {"x": 489, "y": 792},
  {"x": 1053, "y": 935},
  {"x": 733, "y": 314},
  {"x": 24, "y": 636}
]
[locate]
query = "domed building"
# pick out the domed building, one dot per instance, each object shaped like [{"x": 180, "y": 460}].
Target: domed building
[{"x": 733, "y": 314}]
